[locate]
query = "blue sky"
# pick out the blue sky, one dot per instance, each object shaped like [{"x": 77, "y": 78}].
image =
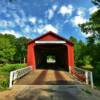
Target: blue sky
[{"x": 31, "y": 18}]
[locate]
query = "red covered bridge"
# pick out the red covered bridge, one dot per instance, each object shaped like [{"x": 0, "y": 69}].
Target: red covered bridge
[{"x": 50, "y": 51}]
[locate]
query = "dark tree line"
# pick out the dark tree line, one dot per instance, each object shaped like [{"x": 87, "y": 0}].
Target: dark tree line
[
  {"x": 87, "y": 56},
  {"x": 93, "y": 42}
]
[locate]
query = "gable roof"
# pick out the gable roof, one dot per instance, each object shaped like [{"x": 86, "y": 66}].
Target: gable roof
[{"x": 51, "y": 33}]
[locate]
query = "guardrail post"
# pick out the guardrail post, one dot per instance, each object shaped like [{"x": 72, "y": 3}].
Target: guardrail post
[
  {"x": 17, "y": 74},
  {"x": 91, "y": 79},
  {"x": 69, "y": 69},
  {"x": 86, "y": 76},
  {"x": 11, "y": 80}
]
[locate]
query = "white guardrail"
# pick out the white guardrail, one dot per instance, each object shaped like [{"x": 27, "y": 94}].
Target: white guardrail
[
  {"x": 84, "y": 74},
  {"x": 16, "y": 74}
]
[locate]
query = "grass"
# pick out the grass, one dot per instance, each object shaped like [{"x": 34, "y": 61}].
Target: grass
[
  {"x": 87, "y": 91},
  {"x": 5, "y": 70},
  {"x": 97, "y": 84}
]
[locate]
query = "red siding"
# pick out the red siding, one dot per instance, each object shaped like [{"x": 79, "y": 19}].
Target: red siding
[
  {"x": 70, "y": 51},
  {"x": 50, "y": 38},
  {"x": 31, "y": 55}
]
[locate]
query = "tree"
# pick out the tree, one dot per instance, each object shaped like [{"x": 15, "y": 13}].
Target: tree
[
  {"x": 96, "y": 2},
  {"x": 79, "y": 51},
  {"x": 93, "y": 25},
  {"x": 21, "y": 47},
  {"x": 73, "y": 39},
  {"x": 7, "y": 51},
  {"x": 12, "y": 49}
]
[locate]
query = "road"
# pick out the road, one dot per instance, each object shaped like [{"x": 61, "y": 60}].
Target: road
[{"x": 49, "y": 85}]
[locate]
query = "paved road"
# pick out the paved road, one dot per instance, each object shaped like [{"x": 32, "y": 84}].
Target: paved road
[
  {"x": 50, "y": 92},
  {"x": 47, "y": 77}
]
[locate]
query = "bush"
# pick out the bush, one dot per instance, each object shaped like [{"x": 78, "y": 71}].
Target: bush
[
  {"x": 11, "y": 67},
  {"x": 4, "y": 83},
  {"x": 88, "y": 67},
  {"x": 97, "y": 71},
  {"x": 1, "y": 65},
  {"x": 5, "y": 71}
]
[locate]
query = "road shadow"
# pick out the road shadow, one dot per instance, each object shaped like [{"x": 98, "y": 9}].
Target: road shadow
[
  {"x": 40, "y": 79},
  {"x": 45, "y": 94}
]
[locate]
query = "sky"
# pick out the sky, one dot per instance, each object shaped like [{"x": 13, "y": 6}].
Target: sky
[{"x": 32, "y": 18}]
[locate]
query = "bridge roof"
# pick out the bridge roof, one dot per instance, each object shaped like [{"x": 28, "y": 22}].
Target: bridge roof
[{"x": 47, "y": 35}]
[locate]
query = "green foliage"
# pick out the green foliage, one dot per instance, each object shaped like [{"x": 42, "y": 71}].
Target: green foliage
[
  {"x": 21, "y": 46},
  {"x": 73, "y": 39},
  {"x": 88, "y": 67},
  {"x": 7, "y": 51},
  {"x": 97, "y": 71},
  {"x": 4, "y": 83},
  {"x": 11, "y": 67},
  {"x": 87, "y": 60},
  {"x": 96, "y": 2},
  {"x": 94, "y": 22},
  {"x": 87, "y": 56},
  {"x": 12, "y": 49},
  {"x": 5, "y": 72}
]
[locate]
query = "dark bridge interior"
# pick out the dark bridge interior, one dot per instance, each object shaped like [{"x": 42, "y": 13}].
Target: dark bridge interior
[{"x": 51, "y": 56}]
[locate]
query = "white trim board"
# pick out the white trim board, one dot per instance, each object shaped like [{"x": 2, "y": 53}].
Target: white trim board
[{"x": 50, "y": 42}]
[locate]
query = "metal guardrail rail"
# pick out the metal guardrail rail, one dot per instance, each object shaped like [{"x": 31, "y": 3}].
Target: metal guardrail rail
[
  {"x": 16, "y": 74},
  {"x": 83, "y": 75}
]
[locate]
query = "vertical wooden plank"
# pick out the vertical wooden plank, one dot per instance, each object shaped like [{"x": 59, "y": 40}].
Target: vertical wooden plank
[
  {"x": 31, "y": 55},
  {"x": 70, "y": 52}
]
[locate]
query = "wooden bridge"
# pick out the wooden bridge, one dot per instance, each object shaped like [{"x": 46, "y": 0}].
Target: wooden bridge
[
  {"x": 47, "y": 77},
  {"x": 27, "y": 76}
]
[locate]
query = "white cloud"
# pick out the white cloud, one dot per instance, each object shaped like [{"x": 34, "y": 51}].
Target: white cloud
[
  {"x": 66, "y": 21},
  {"x": 27, "y": 29},
  {"x": 40, "y": 21},
  {"x": 90, "y": 33},
  {"x": 46, "y": 28},
  {"x": 78, "y": 20},
  {"x": 17, "y": 18},
  {"x": 93, "y": 9},
  {"x": 87, "y": 35},
  {"x": 33, "y": 20},
  {"x": 54, "y": 7},
  {"x": 81, "y": 11},
  {"x": 50, "y": 13},
  {"x": 50, "y": 27},
  {"x": 66, "y": 10},
  {"x": 12, "y": 32},
  {"x": 4, "y": 23}
]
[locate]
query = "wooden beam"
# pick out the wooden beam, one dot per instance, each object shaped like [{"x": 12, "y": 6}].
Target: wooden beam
[{"x": 50, "y": 42}]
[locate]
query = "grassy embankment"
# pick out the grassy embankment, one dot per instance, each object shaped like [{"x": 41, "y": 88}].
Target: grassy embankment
[{"x": 5, "y": 72}]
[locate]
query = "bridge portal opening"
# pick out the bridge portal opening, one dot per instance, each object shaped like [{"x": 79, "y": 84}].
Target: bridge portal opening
[{"x": 51, "y": 56}]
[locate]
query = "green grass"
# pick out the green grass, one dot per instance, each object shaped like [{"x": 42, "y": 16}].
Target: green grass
[
  {"x": 97, "y": 84},
  {"x": 87, "y": 91},
  {"x": 5, "y": 70}
]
